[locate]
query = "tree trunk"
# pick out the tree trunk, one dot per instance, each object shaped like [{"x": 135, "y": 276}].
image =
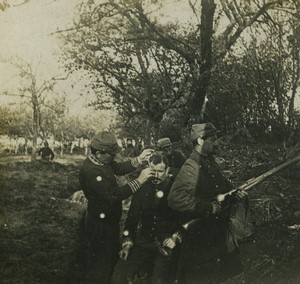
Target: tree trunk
[
  {"x": 295, "y": 78},
  {"x": 35, "y": 127},
  {"x": 62, "y": 145},
  {"x": 202, "y": 69}
]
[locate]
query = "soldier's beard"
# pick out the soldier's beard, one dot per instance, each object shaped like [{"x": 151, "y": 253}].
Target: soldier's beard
[
  {"x": 156, "y": 181},
  {"x": 209, "y": 149}
]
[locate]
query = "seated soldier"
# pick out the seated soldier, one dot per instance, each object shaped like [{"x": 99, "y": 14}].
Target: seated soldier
[
  {"x": 150, "y": 246},
  {"x": 46, "y": 152}
]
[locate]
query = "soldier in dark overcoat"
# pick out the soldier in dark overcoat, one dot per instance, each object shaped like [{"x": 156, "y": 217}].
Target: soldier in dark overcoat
[
  {"x": 209, "y": 252},
  {"x": 46, "y": 152},
  {"x": 104, "y": 209},
  {"x": 150, "y": 248}
]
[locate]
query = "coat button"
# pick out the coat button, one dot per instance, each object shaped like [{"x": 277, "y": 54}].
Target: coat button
[
  {"x": 126, "y": 233},
  {"x": 98, "y": 178},
  {"x": 159, "y": 194},
  {"x": 102, "y": 216}
]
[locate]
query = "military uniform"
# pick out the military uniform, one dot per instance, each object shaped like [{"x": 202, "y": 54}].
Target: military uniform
[
  {"x": 104, "y": 209},
  {"x": 209, "y": 250},
  {"x": 176, "y": 161},
  {"x": 157, "y": 223},
  {"x": 176, "y": 157},
  {"x": 46, "y": 153}
]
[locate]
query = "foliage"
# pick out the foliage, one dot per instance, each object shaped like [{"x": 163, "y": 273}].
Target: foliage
[
  {"x": 255, "y": 87},
  {"x": 4, "y": 4},
  {"x": 13, "y": 121},
  {"x": 147, "y": 67}
]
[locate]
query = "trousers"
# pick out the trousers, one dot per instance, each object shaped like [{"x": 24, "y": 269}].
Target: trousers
[{"x": 145, "y": 261}]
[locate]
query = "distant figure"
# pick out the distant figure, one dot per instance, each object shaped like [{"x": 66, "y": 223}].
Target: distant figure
[
  {"x": 130, "y": 150},
  {"x": 46, "y": 152},
  {"x": 140, "y": 144}
]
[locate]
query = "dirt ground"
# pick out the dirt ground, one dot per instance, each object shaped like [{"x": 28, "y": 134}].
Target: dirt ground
[{"x": 41, "y": 226}]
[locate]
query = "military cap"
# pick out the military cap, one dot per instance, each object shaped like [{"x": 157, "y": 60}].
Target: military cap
[
  {"x": 106, "y": 142},
  {"x": 203, "y": 130},
  {"x": 164, "y": 142}
]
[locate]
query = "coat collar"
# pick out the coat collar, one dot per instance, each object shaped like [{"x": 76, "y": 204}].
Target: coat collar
[
  {"x": 94, "y": 160},
  {"x": 197, "y": 157}
]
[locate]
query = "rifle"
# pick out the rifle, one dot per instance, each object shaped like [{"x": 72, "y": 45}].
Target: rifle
[
  {"x": 256, "y": 180},
  {"x": 249, "y": 184}
]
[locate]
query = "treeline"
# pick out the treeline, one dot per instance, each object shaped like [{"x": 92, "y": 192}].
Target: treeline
[{"x": 233, "y": 62}]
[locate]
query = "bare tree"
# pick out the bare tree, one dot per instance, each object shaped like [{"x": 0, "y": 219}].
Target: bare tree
[{"x": 34, "y": 93}]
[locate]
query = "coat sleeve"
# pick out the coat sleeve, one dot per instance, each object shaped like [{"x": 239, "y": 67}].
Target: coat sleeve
[
  {"x": 182, "y": 194},
  {"x": 126, "y": 167}
]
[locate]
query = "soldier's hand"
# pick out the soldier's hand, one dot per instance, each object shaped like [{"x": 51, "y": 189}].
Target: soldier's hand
[
  {"x": 169, "y": 242},
  {"x": 145, "y": 155},
  {"x": 216, "y": 208},
  {"x": 124, "y": 252},
  {"x": 145, "y": 175},
  {"x": 240, "y": 194}
]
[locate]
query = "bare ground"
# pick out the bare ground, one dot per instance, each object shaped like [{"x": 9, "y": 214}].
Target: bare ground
[{"x": 41, "y": 232}]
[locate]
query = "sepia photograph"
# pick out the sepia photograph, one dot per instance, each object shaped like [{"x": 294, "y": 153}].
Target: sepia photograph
[{"x": 150, "y": 141}]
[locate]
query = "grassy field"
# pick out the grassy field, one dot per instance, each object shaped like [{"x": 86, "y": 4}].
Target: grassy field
[{"x": 41, "y": 227}]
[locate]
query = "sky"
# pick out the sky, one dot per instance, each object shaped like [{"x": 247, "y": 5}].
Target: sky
[{"x": 26, "y": 31}]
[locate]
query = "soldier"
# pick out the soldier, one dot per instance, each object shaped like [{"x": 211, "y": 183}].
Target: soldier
[
  {"x": 130, "y": 150},
  {"x": 209, "y": 252},
  {"x": 175, "y": 156},
  {"x": 153, "y": 246},
  {"x": 98, "y": 181},
  {"x": 46, "y": 152}
]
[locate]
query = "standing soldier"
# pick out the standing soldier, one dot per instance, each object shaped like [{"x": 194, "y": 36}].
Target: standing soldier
[
  {"x": 130, "y": 151},
  {"x": 209, "y": 252},
  {"x": 175, "y": 156},
  {"x": 98, "y": 181}
]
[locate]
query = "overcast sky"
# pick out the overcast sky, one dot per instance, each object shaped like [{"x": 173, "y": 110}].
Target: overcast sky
[{"x": 27, "y": 31}]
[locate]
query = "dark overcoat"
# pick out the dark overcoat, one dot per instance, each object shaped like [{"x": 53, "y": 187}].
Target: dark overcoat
[
  {"x": 209, "y": 250},
  {"x": 104, "y": 211}
]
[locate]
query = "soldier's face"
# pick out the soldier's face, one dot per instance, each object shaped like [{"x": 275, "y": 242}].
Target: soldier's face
[
  {"x": 167, "y": 150},
  {"x": 105, "y": 158},
  {"x": 210, "y": 145},
  {"x": 160, "y": 172}
]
